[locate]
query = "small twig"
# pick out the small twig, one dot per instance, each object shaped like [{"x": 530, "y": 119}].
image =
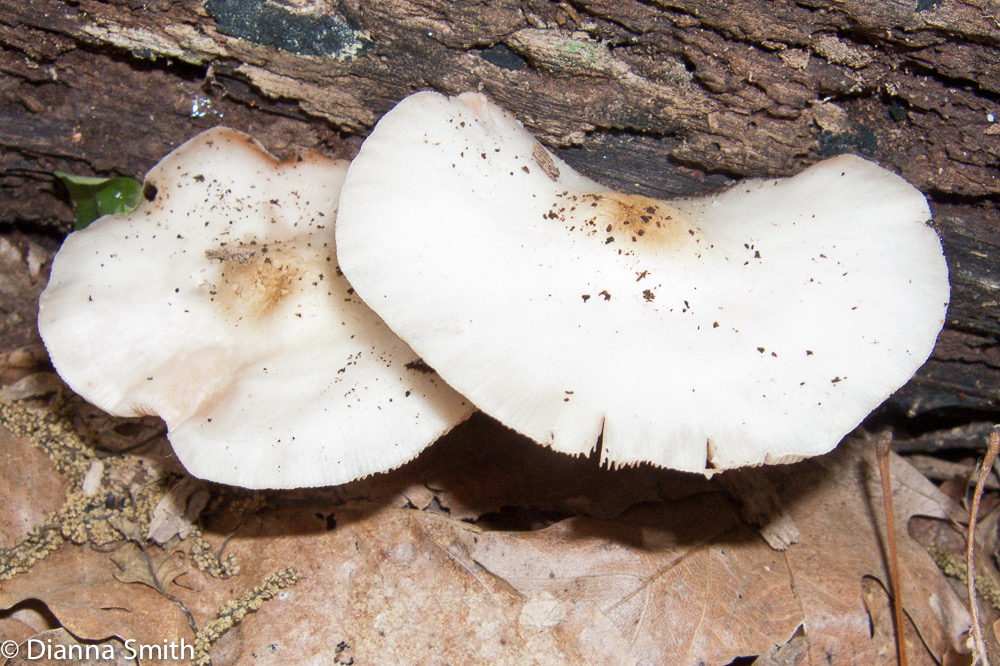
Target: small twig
[
  {"x": 882, "y": 450},
  {"x": 970, "y": 549}
]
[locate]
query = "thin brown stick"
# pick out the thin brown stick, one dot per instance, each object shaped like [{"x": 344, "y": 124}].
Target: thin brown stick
[
  {"x": 970, "y": 548},
  {"x": 882, "y": 449}
]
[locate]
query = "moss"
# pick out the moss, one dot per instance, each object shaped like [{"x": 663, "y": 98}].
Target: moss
[
  {"x": 52, "y": 433},
  {"x": 212, "y": 563},
  {"x": 83, "y": 519},
  {"x": 112, "y": 513},
  {"x": 118, "y": 511},
  {"x": 18, "y": 559},
  {"x": 576, "y": 52},
  {"x": 233, "y": 612},
  {"x": 953, "y": 567}
]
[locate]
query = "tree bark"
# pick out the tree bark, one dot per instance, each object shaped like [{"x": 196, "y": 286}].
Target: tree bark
[{"x": 657, "y": 97}]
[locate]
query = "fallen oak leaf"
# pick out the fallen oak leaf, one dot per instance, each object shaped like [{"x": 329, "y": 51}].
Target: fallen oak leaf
[
  {"x": 678, "y": 588},
  {"x": 683, "y": 591},
  {"x": 385, "y": 586},
  {"x": 836, "y": 501},
  {"x": 77, "y": 586},
  {"x": 667, "y": 582},
  {"x": 878, "y": 605},
  {"x": 759, "y": 506},
  {"x": 136, "y": 565},
  {"x": 30, "y": 488},
  {"x": 233, "y": 612},
  {"x": 789, "y": 654}
]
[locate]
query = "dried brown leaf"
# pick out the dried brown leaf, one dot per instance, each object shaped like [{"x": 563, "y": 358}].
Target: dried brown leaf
[
  {"x": 836, "y": 502},
  {"x": 138, "y": 565},
  {"x": 679, "y": 589},
  {"x": 878, "y": 605},
  {"x": 790, "y": 654},
  {"x": 13, "y": 629},
  {"x": 760, "y": 506},
  {"x": 679, "y": 581},
  {"x": 659, "y": 569},
  {"x": 78, "y": 586},
  {"x": 21, "y": 362},
  {"x": 175, "y": 514},
  {"x": 30, "y": 488},
  {"x": 32, "y": 386}
]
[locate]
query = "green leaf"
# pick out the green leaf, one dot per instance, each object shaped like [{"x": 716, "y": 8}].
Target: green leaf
[{"x": 94, "y": 197}]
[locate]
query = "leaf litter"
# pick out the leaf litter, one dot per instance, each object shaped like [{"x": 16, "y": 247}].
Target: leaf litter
[{"x": 486, "y": 548}]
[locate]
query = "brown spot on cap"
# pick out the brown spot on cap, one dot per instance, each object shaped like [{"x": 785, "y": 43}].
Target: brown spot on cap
[
  {"x": 648, "y": 223},
  {"x": 252, "y": 285}
]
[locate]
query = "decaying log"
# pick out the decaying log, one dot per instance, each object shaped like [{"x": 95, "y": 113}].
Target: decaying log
[{"x": 658, "y": 97}]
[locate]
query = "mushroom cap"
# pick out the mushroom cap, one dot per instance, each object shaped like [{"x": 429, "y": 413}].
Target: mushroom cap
[
  {"x": 219, "y": 306},
  {"x": 758, "y": 325}
]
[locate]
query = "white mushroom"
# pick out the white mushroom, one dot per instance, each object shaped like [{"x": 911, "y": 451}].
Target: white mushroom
[
  {"x": 219, "y": 306},
  {"x": 759, "y": 325}
]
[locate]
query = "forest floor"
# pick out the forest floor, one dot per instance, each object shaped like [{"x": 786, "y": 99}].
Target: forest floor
[{"x": 487, "y": 547}]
